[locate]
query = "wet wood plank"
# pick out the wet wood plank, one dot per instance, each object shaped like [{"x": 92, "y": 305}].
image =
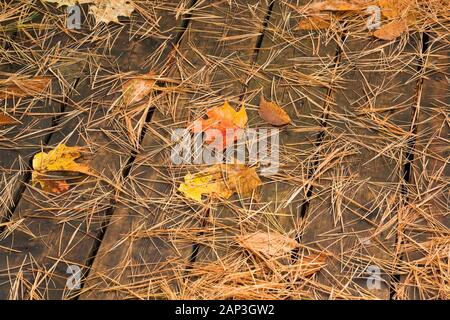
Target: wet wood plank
[
  {"x": 295, "y": 69},
  {"x": 358, "y": 178},
  {"x": 52, "y": 233},
  {"x": 425, "y": 223},
  {"x": 146, "y": 250}
]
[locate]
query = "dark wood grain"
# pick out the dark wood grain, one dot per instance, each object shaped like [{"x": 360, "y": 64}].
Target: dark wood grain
[
  {"x": 360, "y": 166},
  {"x": 55, "y": 232},
  {"x": 146, "y": 250}
]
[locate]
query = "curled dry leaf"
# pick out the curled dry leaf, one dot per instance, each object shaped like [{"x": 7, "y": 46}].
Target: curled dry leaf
[
  {"x": 221, "y": 180},
  {"x": 391, "y": 30},
  {"x": 223, "y": 125},
  {"x": 272, "y": 113},
  {"x": 137, "y": 88},
  {"x": 268, "y": 243},
  {"x": 23, "y": 87},
  {"x": 7, "y": 120},
  {"x": 314, "y": 23},
  {"x": 62, "y": 158}
]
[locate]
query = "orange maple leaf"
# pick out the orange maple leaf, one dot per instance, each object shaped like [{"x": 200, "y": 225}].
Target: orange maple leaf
[{"x": 222, "y": 127}]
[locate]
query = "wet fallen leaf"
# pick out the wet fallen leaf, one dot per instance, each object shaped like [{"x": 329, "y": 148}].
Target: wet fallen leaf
[
  {"x": 223, "y": 125},
  {"x": 62, "y": 158},
  {"x": 314, "y": 23},
  {"x": 240, "y": 178},
  {"x": 7, "y": 120},
  {"x": 136, "y": 89},
  {"x": 391, "y": 30},
  {"x": 23, "y": 87},
  {"x": 52, "y": 185},
  {"x": 103, "y": 10},
  {"x": 269, "y": 243},
  {"x": 221, "y": 180},
  {"x": 272, "y": 113},
  {"x": 196, "y": 185}
]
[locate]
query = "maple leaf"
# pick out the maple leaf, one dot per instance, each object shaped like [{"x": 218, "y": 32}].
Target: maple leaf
[
  {"x": 221, "y": 180},
  {"x": 23, "y": 87},
  {"x": 268, "y": 243},
  {"x": 62, "y": 158},
  {"x": 7, "y": 120},
  {"x": 135, "y": 89},
  {"x": 223, "y": 125}
]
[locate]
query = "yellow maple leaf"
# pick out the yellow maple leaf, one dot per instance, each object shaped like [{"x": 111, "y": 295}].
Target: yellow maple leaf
[
  {"x": 62, "y": 158},
  {"x": 221, "y": 180}
]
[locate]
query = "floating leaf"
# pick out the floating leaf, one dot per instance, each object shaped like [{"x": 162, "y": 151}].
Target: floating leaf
[
  {"x": 23, "y": 87},
  {"x": 221, "y": 180},
  {"x": 222, "y": 127},
  {"x": 7, "y": 120},
  {"x": 268, "y": 243},
  {"x": 62, "y": 158},
  {"x": 136, "y": 89},
  {"x": 272, "y": 113}
]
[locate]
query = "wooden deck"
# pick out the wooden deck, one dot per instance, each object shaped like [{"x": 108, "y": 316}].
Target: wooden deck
[{"x": 363, "y": 174}]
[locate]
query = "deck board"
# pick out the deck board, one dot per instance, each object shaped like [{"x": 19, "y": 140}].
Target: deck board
[
  {"x": 363, "y": 174},
  {"x": 57, "y": 232},
  {"x": 290, "y": 73},
  {"x": 358, "y": 194},
  {"x": 155, "y": 240},
  {"x": 426, "y": 218}
]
